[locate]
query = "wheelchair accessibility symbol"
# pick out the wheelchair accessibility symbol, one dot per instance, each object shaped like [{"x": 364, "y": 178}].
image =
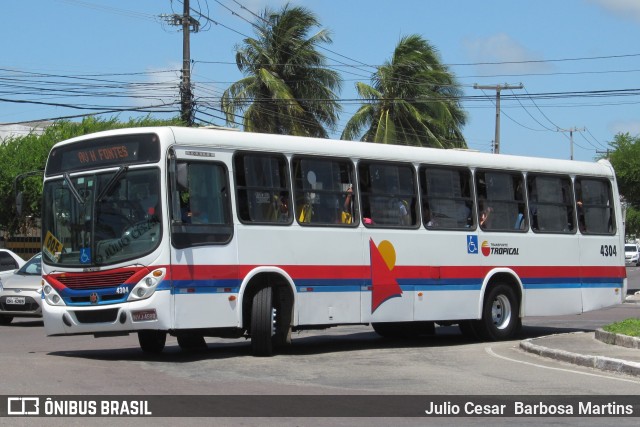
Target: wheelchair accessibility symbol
[
  {"x": 85, "y": 255},
  {"x": 472, "y": 244}
]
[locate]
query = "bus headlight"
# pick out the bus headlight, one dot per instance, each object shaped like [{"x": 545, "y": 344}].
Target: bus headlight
[
  {"x": 148, "y": 285},
  {"x": 51, "y": 296}
]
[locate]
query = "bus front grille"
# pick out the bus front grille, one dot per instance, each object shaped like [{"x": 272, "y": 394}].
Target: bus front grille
[{"x": 94, "y": 280}]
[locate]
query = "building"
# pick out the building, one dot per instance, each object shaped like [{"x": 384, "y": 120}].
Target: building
[{"x": 21, "y": 129}]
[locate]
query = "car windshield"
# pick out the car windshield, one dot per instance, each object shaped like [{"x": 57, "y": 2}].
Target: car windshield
[
  {"x": 33, "y": 267},
  {"x": 630, "y": 248},
  {"x": 101, "y": 218}
]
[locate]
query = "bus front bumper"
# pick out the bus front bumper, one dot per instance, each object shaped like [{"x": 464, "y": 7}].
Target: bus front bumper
[{"x": 151, "y": 313}]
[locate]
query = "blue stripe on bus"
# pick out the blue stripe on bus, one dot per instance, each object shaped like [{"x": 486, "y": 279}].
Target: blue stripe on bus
[{"x": 407, "y": 285}]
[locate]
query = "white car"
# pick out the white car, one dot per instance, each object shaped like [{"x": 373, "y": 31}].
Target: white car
[
  {"x": 631, "y": 254},
  {"x": 20, "y": 292},
  {"x": 9, "y": 262}
]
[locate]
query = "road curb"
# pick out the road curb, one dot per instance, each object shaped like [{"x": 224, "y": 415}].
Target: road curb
[
  {"x": 617, "y": 339},
  {"x": 597, "y": 362}
]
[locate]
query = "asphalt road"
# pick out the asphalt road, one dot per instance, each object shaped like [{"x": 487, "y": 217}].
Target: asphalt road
[{"x": 338, "y": 361}]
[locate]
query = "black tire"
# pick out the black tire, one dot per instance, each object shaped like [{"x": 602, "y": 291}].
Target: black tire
[
  {"x": 152, "y": 341},
  {"x": 283, "y": 315},
  {"x": 5, "y": 320},
  {"x": 191, "y": 342},
  {"x": 500, "y": 314},
  {"x": 262, "y": 323}
]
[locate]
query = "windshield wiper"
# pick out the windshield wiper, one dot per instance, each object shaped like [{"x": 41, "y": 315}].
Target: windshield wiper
[
  {"x": 73, "y": 189},
  {"x": 112, "y": 182}
]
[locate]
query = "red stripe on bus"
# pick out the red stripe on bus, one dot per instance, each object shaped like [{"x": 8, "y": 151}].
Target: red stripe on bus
[{"x": 420, "y": 272}]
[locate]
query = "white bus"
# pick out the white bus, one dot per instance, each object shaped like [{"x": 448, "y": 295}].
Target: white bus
[{"x": 213, "y": 233}]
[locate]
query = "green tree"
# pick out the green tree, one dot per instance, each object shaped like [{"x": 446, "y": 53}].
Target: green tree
[
  {"x": 20, "y": 155},
  {"x": 624, "y": 155},
  {"x": 287, "y": 89},
  {"x": 413, "y": 99},
  {"x": 632, "y": 222}
]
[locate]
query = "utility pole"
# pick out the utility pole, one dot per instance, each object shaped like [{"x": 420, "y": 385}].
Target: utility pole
[
  {"x": 571, "y": 131},
  {"x": 188, "y": 25},
  {"x": 497, "y": 88}
]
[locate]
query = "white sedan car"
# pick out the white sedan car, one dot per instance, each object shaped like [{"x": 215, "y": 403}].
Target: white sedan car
[
  {"x": 9, "y": 261},
  {"x": 20, "y": 292}
]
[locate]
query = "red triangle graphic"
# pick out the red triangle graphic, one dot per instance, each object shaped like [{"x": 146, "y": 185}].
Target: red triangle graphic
[{"x": 383, "y": 281}]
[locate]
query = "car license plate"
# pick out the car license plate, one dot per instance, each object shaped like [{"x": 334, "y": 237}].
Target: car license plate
[{"x": 15, "y": 300}]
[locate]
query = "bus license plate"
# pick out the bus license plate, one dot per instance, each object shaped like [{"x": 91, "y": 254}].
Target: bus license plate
[
  {"x": 144, "y": 315},
  {"x": 15, "y": 300}
]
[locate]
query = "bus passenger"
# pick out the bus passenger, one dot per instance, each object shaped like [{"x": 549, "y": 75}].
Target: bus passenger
[
  {"x": 347, "y": 207},
  {"x": 485, "y": 217},
  {"x": 282, "y": 208}
]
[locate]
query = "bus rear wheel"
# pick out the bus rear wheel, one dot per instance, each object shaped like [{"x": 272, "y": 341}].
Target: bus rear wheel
[
  {"x": 262, "y": 323},
  {"x": 500, "y": 314},
  {"x": 152, "y": 341}
]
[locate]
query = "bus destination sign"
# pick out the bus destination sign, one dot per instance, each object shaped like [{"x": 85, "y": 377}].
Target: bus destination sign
[
  {"x": 98, "y": 155},
  {"x": 104, "y": 152}
]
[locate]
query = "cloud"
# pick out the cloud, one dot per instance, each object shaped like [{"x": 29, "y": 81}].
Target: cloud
[
  {"x": 630, "y": 126},
  {"x": 629, "y": 9},
  {"x": 500, "y": 54},
  {"x": 257, "y": 6}
]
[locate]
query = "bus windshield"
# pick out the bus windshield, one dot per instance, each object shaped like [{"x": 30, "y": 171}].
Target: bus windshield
[{"x": 101, "y": 218}]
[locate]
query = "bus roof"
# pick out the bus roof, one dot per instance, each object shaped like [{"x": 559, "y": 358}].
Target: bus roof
[{"x": 229, "y": 140}]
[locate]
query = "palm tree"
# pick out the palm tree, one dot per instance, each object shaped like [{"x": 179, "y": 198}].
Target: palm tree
[
  {"x": 287, "y": 89},
  {"x": 412, "y": 100}
]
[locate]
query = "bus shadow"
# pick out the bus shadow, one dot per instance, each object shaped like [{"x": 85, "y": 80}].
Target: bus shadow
[{"x": 316, "y": 344}]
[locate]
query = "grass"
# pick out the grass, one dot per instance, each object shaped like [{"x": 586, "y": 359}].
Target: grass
[{"x": 630, "y": 327}]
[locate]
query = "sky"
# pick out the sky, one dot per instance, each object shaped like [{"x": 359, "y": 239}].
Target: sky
[{"x": 577, "y": 60}]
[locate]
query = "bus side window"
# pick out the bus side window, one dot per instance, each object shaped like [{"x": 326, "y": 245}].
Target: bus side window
[
  {"x": 594, "y": 200},
  {"x": 262, "y": 188},
  {"x": 323, "y": 189},
  {"x": 550, "y": 204},
  {"x": 389, "y": 194},
  {"x": 447, "y": 202},
  {"x": 201, "y": 189},
  {"x": 501, "y": 204}
]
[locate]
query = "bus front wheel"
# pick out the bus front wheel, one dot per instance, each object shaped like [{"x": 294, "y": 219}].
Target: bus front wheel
[
  {"x": 500, "y": 314},
  {"x": 262, "y": 323},
  {"x": 152, "y": 341}
]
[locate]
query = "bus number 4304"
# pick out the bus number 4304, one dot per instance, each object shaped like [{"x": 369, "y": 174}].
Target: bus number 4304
[
  {"x": 608, "y": 250},
  {"x": 122, "y": 290}
]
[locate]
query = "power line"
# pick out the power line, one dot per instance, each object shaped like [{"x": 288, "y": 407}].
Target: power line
[
  {"x": 531, "y": 115},
  {"x": 538, "y": 61}
]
